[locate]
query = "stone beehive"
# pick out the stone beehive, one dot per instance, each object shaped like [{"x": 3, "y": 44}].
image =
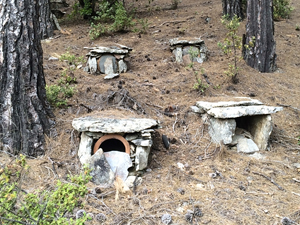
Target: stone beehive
[
  {"x": 183, "y": 49},
  {"x": 130, "y": 135},
  {"x": 107, "y": 60},
  {"x": 242, "y": 122}
]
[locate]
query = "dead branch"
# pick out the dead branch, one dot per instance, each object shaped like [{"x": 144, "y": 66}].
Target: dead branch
[
  {"x": 157, "y": 106},
  {"x": 52, "y": 162},
  {"x": 294, "y": 108},
  {"x": 175, "y": 123},
  {"x": 159, "y": 204},
  {"x": 51, "y": 170},
  {"x": 294, "y": 179},
  {"x": 296, "y": 193},
  {"x": 174, "y": 21},
  {"x": 88, "y": 108},
  {"x": 269, "y": 179}
]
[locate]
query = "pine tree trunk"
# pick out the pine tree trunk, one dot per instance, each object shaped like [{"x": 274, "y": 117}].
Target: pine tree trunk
[
  {"x": 259, "y": 39},
  {"x": 23, "y": 107},
  {"x": 46, "y": 25},
  {"x": 232, "y": 7}
]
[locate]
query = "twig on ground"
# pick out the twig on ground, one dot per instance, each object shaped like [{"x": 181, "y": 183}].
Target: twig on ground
[
  {"x": 296, "y": 193},
  {"x": 269, "y": 179},
  {"x": 294, "y": 179},
  {"x": 52, "y": 165},
  {"x": 294, "y": 108},
  {"x": 159, "y": 204},
  {"x": 175, "y": 123},
  {"x": 174, "y": 21},
  {"x": 157, "y": 106},
  {"x": 51, "y": 170}
]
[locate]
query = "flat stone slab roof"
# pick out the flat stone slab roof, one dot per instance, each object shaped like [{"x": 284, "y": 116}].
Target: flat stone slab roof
[
  {"x": 237, "y": 101},
  {"x": 235, "y": 107},
  {"x": 239, "y": 111},
  {"x": 113, "y": 125},
  {"x": 189, "y": 41}
]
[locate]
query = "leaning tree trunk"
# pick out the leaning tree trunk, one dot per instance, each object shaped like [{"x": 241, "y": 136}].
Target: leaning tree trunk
[
  {"x": 46, "y": 25},
  {"x": 259, "y": 44},
  {"x": 232, "y": 8},
  {"x": 23, "y": 107}
]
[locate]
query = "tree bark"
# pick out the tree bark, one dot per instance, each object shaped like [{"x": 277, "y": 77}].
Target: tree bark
[
  {"x": 46, "y": 25},
  {"x": 24, "y": 111},
  {"x": 259, "y": 39},
  {"x": 232, "y": 8}
]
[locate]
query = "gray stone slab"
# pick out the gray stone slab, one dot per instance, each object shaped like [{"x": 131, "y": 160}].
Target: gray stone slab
[
  {"x": 239, "y": 111},
  {"x": 92, "y": 63},
  {"x": 101, "y": 173},
  {"x": 119, "y": 163},
  {"x": 103, "y": 50},
  {"x": 221, "y": 131},
  {"x": 141, "y": 158},
  {"x": 122, "y": 66},
  {"x": 113, "y": 125},
  {"x": 178, "y": 54},
  {"x": 141, "y": 142},
  {"x": 246, "y": 145},
  {"x": 111, "y": 76},
  {"x": 177, "y": 41},
  {"x": 108, "y": 64},
  {"x": 130, "y": 137},
  {"x": 85, "y": 148},
  {"x": 237, "y": 101},
  {"x": 261, "y": 129}
]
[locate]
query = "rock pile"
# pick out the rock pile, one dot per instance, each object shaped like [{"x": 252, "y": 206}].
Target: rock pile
[
  {"x": 190, "y": 50},
  {"x": 243, "y": 123},
  {"x": 107, "y": 60}
]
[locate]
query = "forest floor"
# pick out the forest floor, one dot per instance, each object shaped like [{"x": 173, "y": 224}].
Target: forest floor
[{"x": 241, "y": 194}]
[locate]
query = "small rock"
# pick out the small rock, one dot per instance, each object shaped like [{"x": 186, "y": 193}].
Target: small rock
[
  {"x": 200, "y": 186},
  {"x": 86, "y": 69},
  {"x": 145, "y": 191},
  {"x": 100, "y": 217},
  {"x": 80, "y": 213},
  {"x": 180, "y": 166},
  {"x": 198, "y": 212},
  {"x": 79, "y": 66},
  {"x": 97, "y": 190},
  {"x": 166, "y": 219},
  {"x": 51, "y": 58},
  {"x": 297, "y": 165},
  {"x": 242, "y": 188},
  {"x": 111, "y": 76},
  {"x": 132, "y": 181},
  {"x": 189, "y": 217},
  {"x": 246, "y": 145},
  {"x": 287, "y": 221},
  {"x": 181, "y": 191}
]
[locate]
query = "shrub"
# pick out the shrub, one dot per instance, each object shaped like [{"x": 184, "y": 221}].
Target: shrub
[
  {"x": 72, "y": 59},
  {"x": 40, "y": 207},
  {"x": 57, "y": 94},
  {"x": 281, "y": 9},
  {"x": 142, "y": 26},
  {"x": 232, "y": 43},
  {"x": 199, "y": 85},
  {"x": 111, "y": 18}
]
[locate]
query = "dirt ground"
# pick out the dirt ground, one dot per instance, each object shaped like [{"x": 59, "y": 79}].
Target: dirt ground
[{"x": 241, "y": 192}]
